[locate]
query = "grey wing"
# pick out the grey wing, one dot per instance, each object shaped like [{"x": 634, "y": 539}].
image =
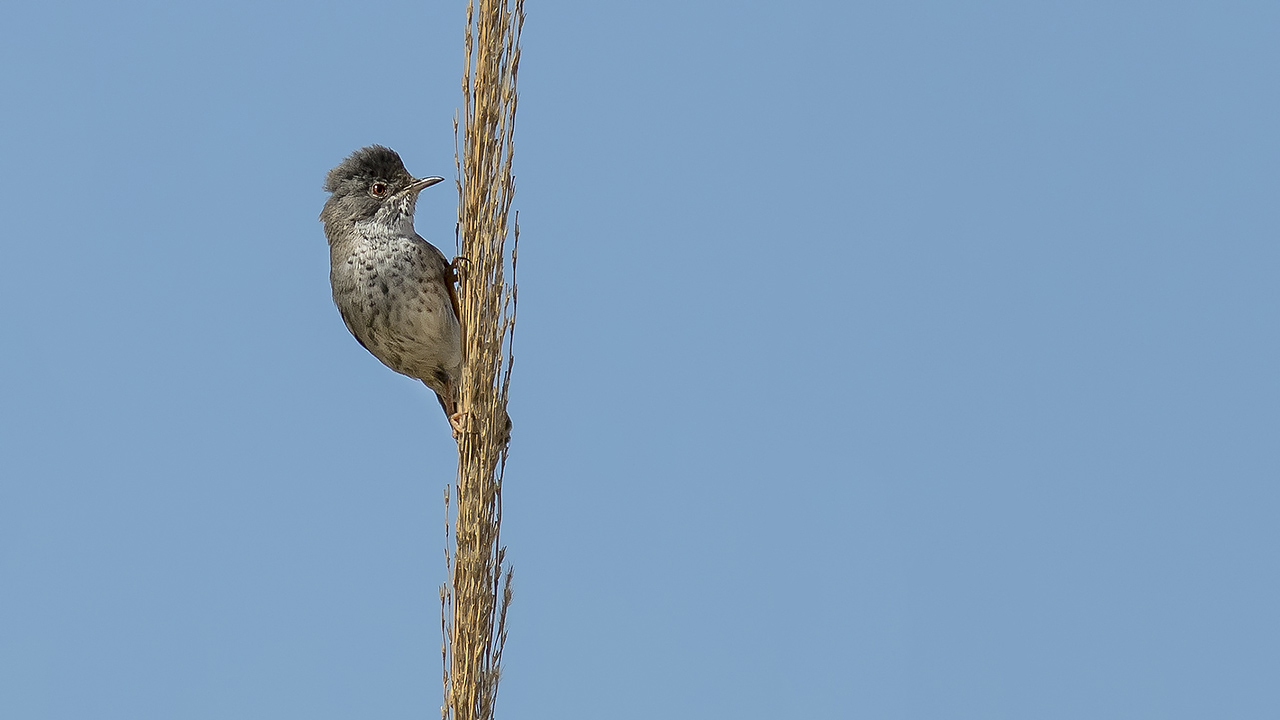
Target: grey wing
[{"x": 449, "y": 277}]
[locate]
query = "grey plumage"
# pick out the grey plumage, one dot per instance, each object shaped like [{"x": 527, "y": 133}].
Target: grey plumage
[{"x": 395, "y": 291}]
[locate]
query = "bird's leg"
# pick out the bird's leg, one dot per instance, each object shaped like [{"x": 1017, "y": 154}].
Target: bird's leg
[
  {"x": 461, "y": 264},
  {"x": 449, "y": 403}
]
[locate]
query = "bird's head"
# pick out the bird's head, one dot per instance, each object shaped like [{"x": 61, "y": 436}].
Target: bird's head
[{"x": 371, "y": 185}]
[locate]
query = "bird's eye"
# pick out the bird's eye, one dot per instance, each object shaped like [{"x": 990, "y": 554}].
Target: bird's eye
[{"x": 378, "y": 189}]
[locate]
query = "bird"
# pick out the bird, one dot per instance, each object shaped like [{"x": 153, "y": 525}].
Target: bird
[{"x": 394, "y": 290}]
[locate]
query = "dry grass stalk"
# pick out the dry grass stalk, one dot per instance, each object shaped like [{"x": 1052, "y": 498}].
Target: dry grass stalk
[{"x": 475, "y": 600}]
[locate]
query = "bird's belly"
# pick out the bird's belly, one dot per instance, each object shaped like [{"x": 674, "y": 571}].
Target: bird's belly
[{"x": 408, "y": 325}]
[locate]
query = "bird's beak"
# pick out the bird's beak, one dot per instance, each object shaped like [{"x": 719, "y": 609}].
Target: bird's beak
[{"x": 424, "y": 183}]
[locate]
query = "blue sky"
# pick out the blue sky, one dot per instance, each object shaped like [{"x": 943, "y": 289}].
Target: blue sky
[{"x": 898, "y": 360}]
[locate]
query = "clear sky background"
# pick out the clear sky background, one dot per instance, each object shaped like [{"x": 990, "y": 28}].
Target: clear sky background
[{"x": 876, "y": 360}]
